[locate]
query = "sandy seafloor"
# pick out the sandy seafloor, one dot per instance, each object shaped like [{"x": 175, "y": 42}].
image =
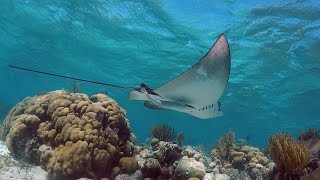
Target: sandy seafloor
[{"x": 15, "y": 172}]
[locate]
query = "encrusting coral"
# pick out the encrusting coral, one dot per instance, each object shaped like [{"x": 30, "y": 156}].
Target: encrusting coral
[
  {"x": 86, "y": 135},
  {"x": 290, "y": 155}
]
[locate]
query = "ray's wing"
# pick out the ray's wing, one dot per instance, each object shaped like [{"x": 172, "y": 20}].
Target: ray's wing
[{"x": 204, "y": 83}]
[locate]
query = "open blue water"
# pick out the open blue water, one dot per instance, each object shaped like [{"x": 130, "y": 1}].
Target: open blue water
[{"x": 275, "y": 48}]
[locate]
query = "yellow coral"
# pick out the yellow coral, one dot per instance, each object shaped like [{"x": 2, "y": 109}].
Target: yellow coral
[
  {"x": 24, "y": 126},
  {"x": 225, "y": 146},
  {"x": 288, "y": 154},
  {"x": 65, "y": 121},
  {"x": 73, "y": 158},
  {"x": 128, "y": 165}
]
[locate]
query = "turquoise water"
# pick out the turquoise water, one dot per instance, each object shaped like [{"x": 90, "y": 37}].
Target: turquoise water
[{"x": 275, "y": 53}]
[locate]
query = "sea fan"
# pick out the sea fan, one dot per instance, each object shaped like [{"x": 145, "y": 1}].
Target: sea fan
[
  {"x": 226, "y": 144},
  {"x": 311, "y": 138},
  {"x": 312, "y": 133},
  {"x": 163, "y": 132}
]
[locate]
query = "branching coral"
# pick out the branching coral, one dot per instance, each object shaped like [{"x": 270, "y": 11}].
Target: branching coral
[
  {"x": 309, "y": 134},
  {"x": 311, "y": 138},
  {"x": 93, "y": 130},
  {"x": 288, "y": 154},
  {"x": 225, "y": 146},
  {"x": 74, "y": 87},
  {"x": 180, "y": 138},
  {"x": 163, "y": 132}
]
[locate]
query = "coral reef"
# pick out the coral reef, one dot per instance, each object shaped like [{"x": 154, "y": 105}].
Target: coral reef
[
  {"x": 243, "y": 162},
  {"x": 189, "y": 168},
  {"x": 311, "y": 138},
  {"x": 74, "y": 136},
  {"x": 311, "y": 133},
  {"x": 289, "y": 155},
  {"x": 295, "y": 159},
  {"x": 70, "y": 159},
  {"x": 84, "y": 136},
  {"x": 128, "y": 165},
  {"x": 180, "y": 138},
  {"x": 167, "y": 153},
  {"x": 163, "y": 132},
  {"x": 231, "y": 159},
  {"x": 151, "y": 168},
  {"x": 225, "y": 146}
]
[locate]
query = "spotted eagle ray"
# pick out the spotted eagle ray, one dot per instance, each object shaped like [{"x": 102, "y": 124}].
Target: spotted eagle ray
[{"x": 196, "y": 91}]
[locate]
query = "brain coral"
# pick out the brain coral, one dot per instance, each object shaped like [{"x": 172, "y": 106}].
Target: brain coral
[{"x": 86, "y": 135}]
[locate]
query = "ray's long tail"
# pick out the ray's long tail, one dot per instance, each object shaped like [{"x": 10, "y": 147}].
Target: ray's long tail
[{"x": 73, "y": 78}]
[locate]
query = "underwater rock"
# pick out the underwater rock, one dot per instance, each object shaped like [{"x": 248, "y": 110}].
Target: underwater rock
[
  {"x": 193, "y": 178},
  {"x": 151, "y": 168},
  {"x": 115, "y": 172},
  {"x": 141, "y": 154},
  {"x": 214, "y": 153},
  {"x": 238, "y": 159},
  {"x": 246, "y": 159},
  {"x": 168, "y": 153},
  {"x": 190, "y": 152},
  {"x": 221, "y": 177},
  {"x": 188, "y": 168},
  {"x": 166, "y": 172},
  {"x": 314, "y": 175},
  {"x": 135, "y": 176},
  {"x": 95, "y": 128},
  {"x": 231, "y": 172},
  {"x": 128, "y": 165},
  {"x": 155, "y": 142},
  {"x": 208, "y": 176}
]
